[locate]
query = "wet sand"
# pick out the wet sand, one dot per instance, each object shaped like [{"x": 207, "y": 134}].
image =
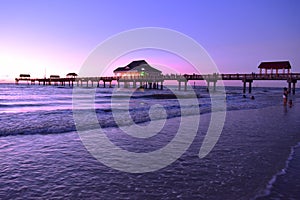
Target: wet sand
[{"x": 253, "y": 147}]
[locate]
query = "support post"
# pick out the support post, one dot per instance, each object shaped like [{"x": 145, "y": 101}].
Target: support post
[
  {"x": 208, "y": 85},
  {"x": 179, "y": 85},
  {"x": 126, "y": 84},
  {"x": 294, "y": 86},
  {"x": 185, "y": 85},
  {"x": 244, "y": 86},
  {"x": 215, "y": 83},
  {"x": 250, "y": 87}
]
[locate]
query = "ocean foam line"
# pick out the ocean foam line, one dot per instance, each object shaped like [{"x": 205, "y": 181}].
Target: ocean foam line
[
  {"x": 60, "y": 120},
  {"x": 267, "y": 191},
  {"x": 31, "y": 105},
  {"x": 55, "y": 126}
]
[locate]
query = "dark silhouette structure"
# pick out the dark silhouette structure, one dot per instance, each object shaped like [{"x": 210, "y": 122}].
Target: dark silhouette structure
[
  {"x": 54, "y": 76},
  {"x": 24, "y": 75},
  {"x": 148, "y": 77},
  {"x": 137, "y": 68},
  {"x": 278, "y": 65},
  {"x": 72, "y": 75}
]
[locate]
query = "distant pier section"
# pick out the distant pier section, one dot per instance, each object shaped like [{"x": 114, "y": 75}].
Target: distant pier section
[{"x": 141, "y": 74}]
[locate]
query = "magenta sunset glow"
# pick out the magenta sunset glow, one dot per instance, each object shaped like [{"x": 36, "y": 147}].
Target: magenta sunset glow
[{"x": 57, "y": 36}]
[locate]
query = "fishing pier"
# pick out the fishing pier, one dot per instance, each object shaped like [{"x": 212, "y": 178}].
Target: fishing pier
[{"x": 140, "y": 74}]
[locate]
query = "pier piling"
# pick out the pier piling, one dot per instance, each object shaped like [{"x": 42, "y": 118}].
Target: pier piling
[{"x": 156, "y": 82}]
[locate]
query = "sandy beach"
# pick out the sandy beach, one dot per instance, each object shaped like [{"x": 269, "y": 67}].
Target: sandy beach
[
  {"x": 256, "y": 144},
  {"x": 253, "y": 147}
]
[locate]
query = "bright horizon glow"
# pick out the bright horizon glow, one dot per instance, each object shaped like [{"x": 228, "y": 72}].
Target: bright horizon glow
[{"x": 57, "y": 36}]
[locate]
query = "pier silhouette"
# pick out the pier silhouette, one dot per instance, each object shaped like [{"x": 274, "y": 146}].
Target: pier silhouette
[{"x": 139, "y": 77}]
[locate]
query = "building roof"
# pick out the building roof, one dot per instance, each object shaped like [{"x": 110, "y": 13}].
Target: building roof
[
  {"x": 138, "y": 66},
  {"x": 24, "y": 75},
  {"x": 275, "y": 65},
  {"x": 54, "y": 76},
  {"x": 72, "y": 74}
]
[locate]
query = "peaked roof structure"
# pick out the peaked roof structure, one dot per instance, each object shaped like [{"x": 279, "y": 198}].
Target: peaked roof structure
[
  {"x": 137, "y": 66},
  {"x": 275, "y": 65}
]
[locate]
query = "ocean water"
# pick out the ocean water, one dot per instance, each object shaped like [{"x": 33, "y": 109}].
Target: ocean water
[{"x": 42, "y": 155}]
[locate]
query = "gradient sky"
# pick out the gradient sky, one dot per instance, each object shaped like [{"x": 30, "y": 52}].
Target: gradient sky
[{"x": 58, "y": 35}]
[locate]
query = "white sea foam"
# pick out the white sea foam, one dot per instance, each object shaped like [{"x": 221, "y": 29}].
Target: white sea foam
[{"x": 269, "y": 187}]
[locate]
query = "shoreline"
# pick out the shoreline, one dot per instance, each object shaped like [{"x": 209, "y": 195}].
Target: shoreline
[
  {"x": 269, "y": 187},
  {"x": 276, "y": 140},
  {"x": 235, "y": 102},
  {"x": 252, "y": 148}
]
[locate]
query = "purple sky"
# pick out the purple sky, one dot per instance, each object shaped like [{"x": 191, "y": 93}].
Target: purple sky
[{"x": 58, "y": 35}]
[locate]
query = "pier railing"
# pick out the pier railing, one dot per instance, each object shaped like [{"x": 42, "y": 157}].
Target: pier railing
[
  {"x": 237, "y": 76},
  {"x": 154, "y": 81},
  {"x": 187, "y": 77}
]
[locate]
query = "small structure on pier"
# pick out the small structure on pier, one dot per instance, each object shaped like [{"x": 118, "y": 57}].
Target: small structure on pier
[
  {"x": 54, "y": 76},
  {"x": 279, "y": 65},
  {"x": 55, "y": 79},
  {"x": 139, "y": 71},
  {"x": 24, "y": 75},
  {"x": 137, "y": 68},
  {"x": 71, "y": 75}
]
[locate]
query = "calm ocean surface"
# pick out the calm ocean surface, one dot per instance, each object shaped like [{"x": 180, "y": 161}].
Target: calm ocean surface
[{"x": 42, "y": 156}]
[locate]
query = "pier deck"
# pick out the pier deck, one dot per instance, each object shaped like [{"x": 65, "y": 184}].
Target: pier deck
[{"x": 152, "y": 82}]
